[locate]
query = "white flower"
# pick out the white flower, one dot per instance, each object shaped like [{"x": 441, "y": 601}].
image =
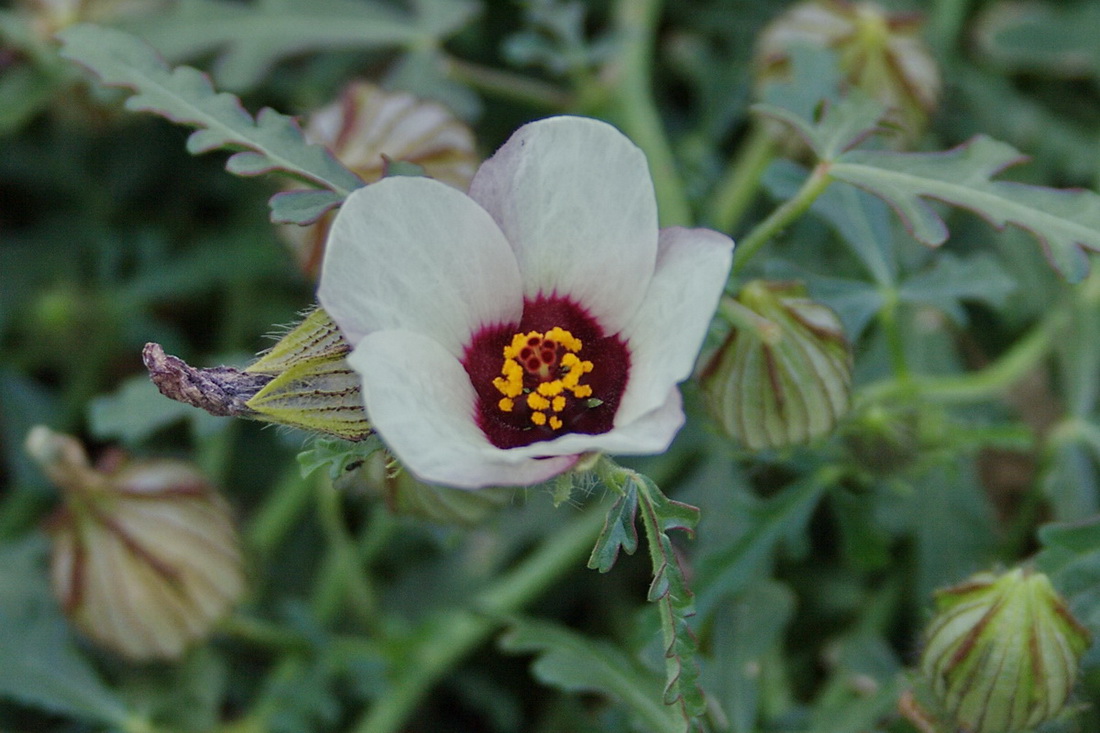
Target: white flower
[{"x": 502, "y": 334}]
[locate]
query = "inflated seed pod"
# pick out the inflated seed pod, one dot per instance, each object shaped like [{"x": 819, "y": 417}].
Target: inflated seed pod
[
  {"x": 880, "y": 53},
  {"x": 145, "y": 557},
  {"x": 1002, "y": 652},
  {"x": 784, "y": 374}
]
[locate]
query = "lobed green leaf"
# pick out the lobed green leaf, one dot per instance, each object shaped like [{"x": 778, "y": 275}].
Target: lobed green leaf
[
  {"x": 574, "y": 663},
  {"x": 1065, "y": 222},
  {"x": 618, "y": 531},
  {"x": 269, "y": 142}
]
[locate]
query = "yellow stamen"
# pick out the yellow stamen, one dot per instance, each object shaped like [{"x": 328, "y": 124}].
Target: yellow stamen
[
  {"x": 549, "y": 389},
  {"x": 537, "y": 402},
  {"x": 536, "y": 368}
]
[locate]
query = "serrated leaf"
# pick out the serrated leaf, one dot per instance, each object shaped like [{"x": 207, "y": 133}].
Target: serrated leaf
[
  {"x": 843, "y": 125},
  {"x": 251, "y": 38},
  {"x": 302, "y": 207},
  {"x": 675, "y": 601},
  {"x": 574, "y": 663},
  {"x": 1065, "y": 222},
  {"x": 185, "y": 96},
  {"x": 618, "y": 532},
  {"x": 42, "y": 666},
  {"x": 861, "y": 220},
  {"x": 951, "y": 280}
]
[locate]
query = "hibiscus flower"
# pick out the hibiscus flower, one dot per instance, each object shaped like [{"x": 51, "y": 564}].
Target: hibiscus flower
[{"x": 503, "y": 334}]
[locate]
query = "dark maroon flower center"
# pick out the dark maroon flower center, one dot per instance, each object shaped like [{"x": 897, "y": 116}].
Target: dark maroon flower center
[{"x": 554, "y": 372}]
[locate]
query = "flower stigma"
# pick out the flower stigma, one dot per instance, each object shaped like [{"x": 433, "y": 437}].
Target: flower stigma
[{"x": 545, "y": 368}]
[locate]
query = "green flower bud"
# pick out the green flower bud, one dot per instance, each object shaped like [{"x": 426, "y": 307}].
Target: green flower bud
[
  {"x": 881, "y": 54},
  {"x": 784, "y": 374},
  {"x": 1002, "y": 652},
  {"x": 304, "y": 381},
  {"x": 145, "y": 557}
]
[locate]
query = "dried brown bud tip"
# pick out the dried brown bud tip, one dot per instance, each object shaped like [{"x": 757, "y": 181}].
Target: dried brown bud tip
[{"x": 221, "y": 391}]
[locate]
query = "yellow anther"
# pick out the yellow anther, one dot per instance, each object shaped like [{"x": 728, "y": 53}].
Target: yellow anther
[
  {"x": 555, "y": 422},
  {"x": 537, "y": 402},
  {"x": 582, "y": 391},
  {"x": 506, "y": 404},
  {"x": 558, "y": 403},
  {"x": 559, "y": 335},
  {"x": 538, "y": 418},
  {"x": 549, "y": 389},
  {"x": 570, "y": 360}
]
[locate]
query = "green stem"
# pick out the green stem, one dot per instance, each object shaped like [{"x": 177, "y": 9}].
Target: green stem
[
  {"x": 740, "y": 183},
  {"x": 631, "y": 105},
  {"x": 895, "y": 342},
  {"x": 265, "y": 634},
  {"x": 814, "y": 185},
  {"x": 279, "y": 513},
  {"x": 344, "y": 555},
  {"x": 455, "y": 633},
  {"x": 985, "y": 383},
  {"x": 507, "y": 85}
]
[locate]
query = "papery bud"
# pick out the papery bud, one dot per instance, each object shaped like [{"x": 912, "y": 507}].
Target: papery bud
[
  {"x": 1002, "y": 652},
  {"x": 784, "y": 374},
  {"x": 405, "y": 495},
  {"x": 365, "y": 129},
  {"x": 145, "y": 557},
  {"x": 881, "y": 54}
]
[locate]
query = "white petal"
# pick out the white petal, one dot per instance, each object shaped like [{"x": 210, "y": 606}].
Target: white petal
[
  {"x": 575, "y": 200},
  {"x": 667, "y": 331},
  {"x": 415, "y": 254},
  {"x": 648, "y": 434},
  {"x": 420, "y": 399}
]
